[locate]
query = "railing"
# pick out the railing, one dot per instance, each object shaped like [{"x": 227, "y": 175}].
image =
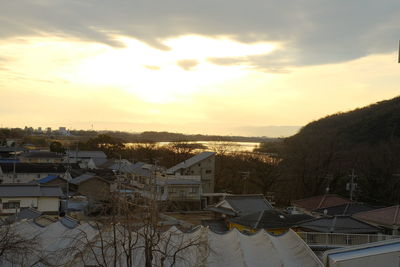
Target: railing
[{"x": 335, "y": 239}]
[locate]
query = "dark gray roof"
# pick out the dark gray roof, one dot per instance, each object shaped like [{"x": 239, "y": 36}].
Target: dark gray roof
[
  {"x": 69, "y": 222},
  {"x": 190, "y": 162},
  {"x": 183, "y": 182},
  {"x": 247, "y": 204},
  {"x": 35, "y": 167},
  {"x": 85, "y": 177},
  {"x": 217, "y": 226},
  {"x": 41, "y": 154},
  {"x": 346, "y": 209},
  {"x": 87, "y": 154},
  {"x": 270, "y": 219},
  {"x": 28, "y": 213},
  {"x": 221, "y": 210},
  {"x": 29, "y": 190},
  {"x": 339, "y": 224}
]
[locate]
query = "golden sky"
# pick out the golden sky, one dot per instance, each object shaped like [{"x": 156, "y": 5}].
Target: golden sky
[{"x": 191, "y": 80}]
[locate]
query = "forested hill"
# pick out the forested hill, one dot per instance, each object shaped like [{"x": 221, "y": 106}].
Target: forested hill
[
  {"x": 376, "y": 123},
  {"x": 325, "y": 151}
]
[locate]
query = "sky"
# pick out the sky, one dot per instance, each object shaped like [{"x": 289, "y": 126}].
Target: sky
[{"x": 253, "y": 68}]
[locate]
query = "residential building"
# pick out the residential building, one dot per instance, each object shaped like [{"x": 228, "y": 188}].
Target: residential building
[
  {"x": 54, "y": 180},
  {"x": 387, "y": 218},
  {"x": 87, "y": 159},
  {"x": 273, "y": 221},
  {"x": 14, "y": 197},
  {"x": 28, "y": 172},
  {"x": 338, "y": 224},
  {"x": 41, "y": 157},
  {"x": 319, "y": 202},
  {"x": 382, "y": 253},
  {"x": 92, "y": 186},
  {"x": 203, "y": 165},
  {"x": 345, "y": 209},
  {"x": 239, "y": 205}
]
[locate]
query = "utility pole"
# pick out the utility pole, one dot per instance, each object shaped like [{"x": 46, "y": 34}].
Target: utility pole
[
  {"x": 245, "y": 175},
  {"x": 351, "y": 186},
  {"x": 67, "y": 176}
]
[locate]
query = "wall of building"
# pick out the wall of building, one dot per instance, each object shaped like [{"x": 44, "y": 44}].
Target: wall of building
[
  {"x": 48, "y": 204},
  {"x": 206, "y": 170},
  {"x": 24, "y": 202},
  {"x": 95, "y": 189},
  {"x": 183, "y": 192},
  {"x": 24, "y": 177}
]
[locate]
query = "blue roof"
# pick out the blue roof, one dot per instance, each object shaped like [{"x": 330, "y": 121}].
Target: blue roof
[{"x": 47, "y": 179}]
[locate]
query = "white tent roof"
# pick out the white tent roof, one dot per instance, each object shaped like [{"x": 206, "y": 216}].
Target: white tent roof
[{"x": 230, "y": 249}]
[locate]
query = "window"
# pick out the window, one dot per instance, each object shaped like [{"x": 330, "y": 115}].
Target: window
[
  {"x": 171, "y": 190},
  {"x": 194, "y": 190},
  {"x": 11, "y": 205},
  {"x": 162, "y": 189},
  {"x": 208, "y": 171}
]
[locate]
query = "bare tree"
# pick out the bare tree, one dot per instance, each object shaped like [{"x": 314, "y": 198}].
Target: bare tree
[
  {"x": 131, "y": 235},
  {"x": 14, "y": 247}
]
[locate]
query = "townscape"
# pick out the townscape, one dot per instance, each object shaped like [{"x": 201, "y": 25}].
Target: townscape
[{"x": 72, "y": 207}]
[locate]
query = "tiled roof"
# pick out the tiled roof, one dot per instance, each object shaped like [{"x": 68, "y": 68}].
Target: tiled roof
[
  {"x": 35, "y": 167},
  {"x": 217, "y": 226},
  {"x": 48, "y": 179},
  {"x": 190, "y": 162},
  {"x": 29, "y": 190},
  {"x": 346, "y": 209},
  {"x": 339, "y": 224},
  {"x": 28, "y": 213},
  {"x": 389, "y": 216},
  {"x": 87, "y": 154},
  {"x": 320, "y": 202},
  {"x": 270, "y": 219},
  {"x": 246, "y": 204},
  {"x": 41, "y": 154}
]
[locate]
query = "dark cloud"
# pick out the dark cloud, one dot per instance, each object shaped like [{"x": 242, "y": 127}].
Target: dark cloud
[
  {"x": 187, "y": 64},
  {"x": 313, "y": 31}
]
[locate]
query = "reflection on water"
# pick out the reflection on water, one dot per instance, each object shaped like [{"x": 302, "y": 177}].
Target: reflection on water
[{"x": 213, "y": 145}]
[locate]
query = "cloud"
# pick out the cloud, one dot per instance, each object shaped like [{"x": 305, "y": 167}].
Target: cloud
[
  {"x": 314, "y": 32},
  {"x": 187, "y": 64}
]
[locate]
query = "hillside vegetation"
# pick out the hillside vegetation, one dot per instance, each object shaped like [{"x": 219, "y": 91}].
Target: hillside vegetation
[{"x": 325, "y": 152}]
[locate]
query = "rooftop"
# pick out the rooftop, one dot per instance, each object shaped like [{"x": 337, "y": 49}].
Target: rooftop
[
  {"x": 339, "y": 224},
  {"x": 270, "y": 219},
  {"x": 29, "y": 190},
  {"x": 190, "y": 162},
  {"x": 320, "y": 202},
  {"x": 389, "y": 216}
]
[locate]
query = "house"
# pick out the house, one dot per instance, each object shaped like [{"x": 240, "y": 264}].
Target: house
[
  {"x": 272, "y": 221},
  {"x": 382, "y": 253},
  {"x": 345, "y": 209},
  {"x": 202, "y": 164},
  {"x": 181, "y": 191},
  {"x": 11, "y": 152},
  {"x": 14, "y": 197},
  {"x": 388, "y": 218},
  {"x": 41, "y": 157},
  {"x": 54, "y": 180},
  {"x": 239, "y": 205},
  {"x": 28, "y": 172},
  {"x": 319, "y": 202},
  {"x": 338, "y": 224},
  {"x": 87, "y": 158},
  {"x": 92, "y": 186}
]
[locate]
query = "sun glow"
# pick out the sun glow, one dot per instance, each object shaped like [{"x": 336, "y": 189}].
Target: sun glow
[{"x": 159, "y": 76}]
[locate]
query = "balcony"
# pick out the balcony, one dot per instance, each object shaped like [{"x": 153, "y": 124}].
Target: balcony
[{"x": 314, "y": 239}]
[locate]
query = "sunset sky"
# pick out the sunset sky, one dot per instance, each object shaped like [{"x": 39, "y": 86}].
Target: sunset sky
[{"x": 214, "y": 67}]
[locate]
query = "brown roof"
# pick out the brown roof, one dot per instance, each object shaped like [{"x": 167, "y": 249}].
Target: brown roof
[
  {"x": 385, "y": 216},
  {"x": 320, "y": 202}
]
